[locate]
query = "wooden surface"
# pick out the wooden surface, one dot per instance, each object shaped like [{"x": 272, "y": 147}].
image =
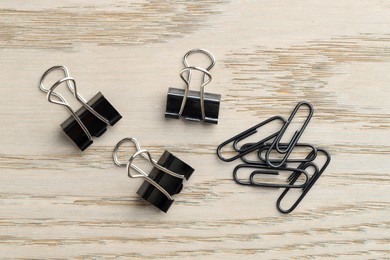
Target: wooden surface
[{"x": 57, "y": 202}]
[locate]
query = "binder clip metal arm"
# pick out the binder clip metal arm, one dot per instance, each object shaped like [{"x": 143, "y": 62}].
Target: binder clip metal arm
[
  {"x": 202, "y": 51},
  {"x": 194, "y": 105},
  {"x": 90, "y": 120}
]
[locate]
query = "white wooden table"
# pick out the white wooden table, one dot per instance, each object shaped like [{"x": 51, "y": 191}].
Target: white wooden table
[{"x": 58, "y": 202}]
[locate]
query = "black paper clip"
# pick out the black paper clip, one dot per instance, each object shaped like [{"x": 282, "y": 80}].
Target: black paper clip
[
  {"x": 90, "y": 120},
  {"x": 248, "y": 148},
  {"x": 194, "y": 105},
  {"x": 287, "y": 149},
  {"x": 263, "y": 148},
  {"x": 260, "y": 169},
  {"x": 165, "y": 179},
  {"x": 311, "y": 182}
]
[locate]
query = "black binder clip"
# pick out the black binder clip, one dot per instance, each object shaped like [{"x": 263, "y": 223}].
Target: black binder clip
[
  {"x": 194, "y": 105},
  {"x": 90, "y": 120},
  {"x": 165, "y": 179}
]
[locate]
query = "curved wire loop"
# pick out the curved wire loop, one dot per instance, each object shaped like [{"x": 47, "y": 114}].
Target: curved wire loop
[
  {"x": 207, "y": 79},
  {"x": 71, "y": 83},
  {"x": 116, "y": 148},
  {"x": 66, "y": 74},
  {"x": 249, "y": 147},
  {"x": 310, "y": 183},
  {"x": 62, "y": 101},
  {"x": 146, "y": 155},
  {"x": 288, "y": 149},
  {"x": 201, "y": 51}
]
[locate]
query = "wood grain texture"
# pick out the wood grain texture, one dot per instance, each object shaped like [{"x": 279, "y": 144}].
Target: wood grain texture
[{"x": 59, "y": 203}]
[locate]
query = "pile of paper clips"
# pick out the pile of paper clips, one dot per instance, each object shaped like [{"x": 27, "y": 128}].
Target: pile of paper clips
[{"x": 297, "y": 169}]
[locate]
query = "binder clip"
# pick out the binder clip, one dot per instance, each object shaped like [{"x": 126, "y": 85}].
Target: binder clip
[
  {"x": 194, "y": 105},
  {"x": 90, "y": 120},
  {"x": 165, "y": 179}
]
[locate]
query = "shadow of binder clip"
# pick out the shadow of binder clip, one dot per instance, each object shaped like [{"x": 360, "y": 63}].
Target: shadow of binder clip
[
  {"x": 165, "y": 179},
  {"x": 90, "y": 120},
  {"x": 288, "y": 148},
  {"x": 312, "y": 180},
  {"x": 194, "y": 105}
]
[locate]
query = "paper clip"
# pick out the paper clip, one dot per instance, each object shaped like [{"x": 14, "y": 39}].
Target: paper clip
[
  {"x": 289, "y": 148},
  {"x": 266, "y": 147},
  {"x": 264, "y": 169},
  {"x": 165, "y": 179},
  {"x": 194, "y": 105},
  {"x": 311, "y": 182},
  {"x": 245, "y": 149},
  {"x": 90, "y": 120}
]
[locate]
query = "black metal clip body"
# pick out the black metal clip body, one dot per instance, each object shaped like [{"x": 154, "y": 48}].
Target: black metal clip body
[
  {"x": 165, "y": 179},
  {"x": 95, "y": 126},
  {"x": 249, "y": 147},
  {"x": 194, "y": 105},
  {"x": 294, "y": 140},
  {"x": 192, "y": 108},
  {"x": 90, "y": 120},
  {"x": 312, "y": 180}
]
